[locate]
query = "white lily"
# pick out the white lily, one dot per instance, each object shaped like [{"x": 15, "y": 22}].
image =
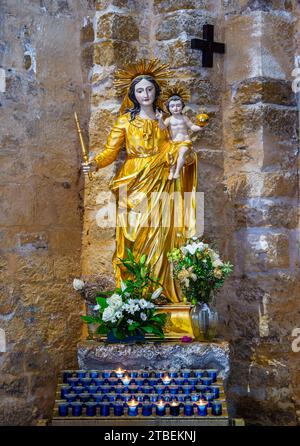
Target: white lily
[
  {"x": 78, "y": 284},
  {"x": 156, "y": 293}
]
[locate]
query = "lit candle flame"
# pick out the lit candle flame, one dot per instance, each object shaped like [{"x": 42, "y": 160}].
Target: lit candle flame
[
  {"x": 133, "y": 403},
  {"x": 166, "y": 379}
]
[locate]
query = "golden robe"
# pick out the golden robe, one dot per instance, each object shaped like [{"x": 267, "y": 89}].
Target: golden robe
[{"x": 152, "y": 215}]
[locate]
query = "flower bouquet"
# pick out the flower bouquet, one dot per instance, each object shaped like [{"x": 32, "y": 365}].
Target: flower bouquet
[
  {"x": 128, "y": 312},
  {"x": 198, "y": 272}
]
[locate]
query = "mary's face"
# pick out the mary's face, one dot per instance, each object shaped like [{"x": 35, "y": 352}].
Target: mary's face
[{"x": 144, "y": 92}]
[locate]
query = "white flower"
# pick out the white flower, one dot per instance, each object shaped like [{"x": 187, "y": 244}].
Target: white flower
[
  {"x": 97, "y": 307},
  {"x": 143, "y": 303},
  {"x": 115, "y": 301},
  {"x": 157, "y": 293},
  {"x": 194, "y": 238},
  {"x": 113, "y": 320},
  {"x": 131, "y": 307},
  {"x": 118, "y": 314},
  {"x": 108, "y": 314},
  {"x": 217, "y": 262},
  {"x": 78, "y": 284},
  {"x": 143, "y": 316},
  {"x": 130, "y": 321}
]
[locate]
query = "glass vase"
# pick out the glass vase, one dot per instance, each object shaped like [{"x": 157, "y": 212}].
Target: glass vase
[{"x": 204, "y": 321}]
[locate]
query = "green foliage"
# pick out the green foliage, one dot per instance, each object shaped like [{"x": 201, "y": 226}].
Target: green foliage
[{"x": 128, "y": 310}]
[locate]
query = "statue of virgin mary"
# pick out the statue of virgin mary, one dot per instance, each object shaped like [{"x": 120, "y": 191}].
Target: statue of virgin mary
[{"x": 154, "y": 214}]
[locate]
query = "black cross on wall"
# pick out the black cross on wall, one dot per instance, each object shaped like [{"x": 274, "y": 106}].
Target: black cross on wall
[{"x": 208, "y": 46}]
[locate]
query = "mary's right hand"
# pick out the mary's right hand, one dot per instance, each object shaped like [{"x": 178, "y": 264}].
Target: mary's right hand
[{"x": 88, "y": 167}]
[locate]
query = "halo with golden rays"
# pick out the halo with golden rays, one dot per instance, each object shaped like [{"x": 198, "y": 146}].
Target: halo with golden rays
[
  {"x": 176, "y": 90},
  {"x": 123, "y": 78}
]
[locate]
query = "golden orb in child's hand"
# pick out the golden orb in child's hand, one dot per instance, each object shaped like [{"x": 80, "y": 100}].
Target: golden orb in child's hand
[{"x": 202, "y": 119}]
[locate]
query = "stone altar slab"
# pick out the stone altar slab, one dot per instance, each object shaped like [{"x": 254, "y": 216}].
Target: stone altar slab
[{"x": 94, "y": 355}]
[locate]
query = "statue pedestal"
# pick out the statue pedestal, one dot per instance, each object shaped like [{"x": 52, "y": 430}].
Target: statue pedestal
[{"x": 94, "y": 355}]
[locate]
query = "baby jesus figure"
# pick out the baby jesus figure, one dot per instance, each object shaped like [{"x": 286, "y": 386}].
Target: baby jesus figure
[{"x": 178, "y": 125}]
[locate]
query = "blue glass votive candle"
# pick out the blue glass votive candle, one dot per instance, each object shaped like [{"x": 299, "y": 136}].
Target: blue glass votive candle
[
  {"x": 104, "y": 409},
  {"x": 133, "y": 388},
  {"x": 78, "y": 389},
  {"x": 160, "y": 408},
  {"x": 216, "y": 408},
  {"x": 193, "y": 381},
  {"x": 64, "y": 390},
  {"x": 199, "y": 373},
  {"x": 93, "y": 389},
  {"x": 140, "y": 381},
  {"x": 98, "y": 397},
  {"x": 67, "y": 374},
  {"x": 173, "y": 389},
  {"x": 213, "y": 374},
  {"x": 106, "y": 373},
  {"x": 187, "y": 389},
  {"x": 120, "y": 373},
  {"x": 76, "y": 408},
  {"x": 113, "y": 381},
  {"x": 209, "y": 397},
  {"x": 105, "y": 389},
  {"x": 167, "y": 397},
  {"x": 188, "y": 409},
  {"x": 195, "y": 397},
  {"x": 166, "y": 380},
  {"x": 132, "y": 408},
  {"x": 215, "y": 390},
  {"x": 181, "y": 398},
  {"x": 90, "y": 408},
  {"x": 147, "y": 409},
  {"x": 147, "y": 389},
  {"x": 118, "y": 409},
  {"x": 81, "y": 373},
  {"x": 84, "y": 397},
  {"x": 145, "y": 373},
  {"x": 159, "y": 373},
  {"x": 111, "y": 397},
  {"x": 119, "y": 389},
  {"x": 63, "y": 409},
  {"x": 73, "y": 381},
  {"x": 152, "y": 381},
  {"x": 180, "y": 380},
  {"x": 126, "y": 397},
  {"x": 133, "y": 373},
  {"x": 200, "y": 388},
  {"x": 160, "y": 388},
  {"x": 71, "y": 397},
  {"x": 202, "y": 408},
  {"x": 126, "y": 380},
  {"x": 173, "y": 373},
  {"x": 154, "y": 397},
  {"x": 174, "y": 408},
  {"x": 99, "y": 381},
  {"x": 206, "y": 381},
  {"x": 86, "y": 381},
  {"x": 94, "y": 373},
  {"x": 186, "y": 373}
]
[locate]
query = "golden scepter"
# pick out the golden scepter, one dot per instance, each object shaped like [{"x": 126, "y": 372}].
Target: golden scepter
[{"x": 85, "y": 154}]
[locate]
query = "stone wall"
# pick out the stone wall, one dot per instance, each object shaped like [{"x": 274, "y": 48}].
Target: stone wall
[
  {"x": 247, "y": 171},
  {"x": 259, "y": 306},
  {"x": 44, "y": 55}
]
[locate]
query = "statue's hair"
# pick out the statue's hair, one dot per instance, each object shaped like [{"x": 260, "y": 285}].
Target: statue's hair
[
  {"x": 131, "y": 94},
  {"x": 174, "y": 98}
]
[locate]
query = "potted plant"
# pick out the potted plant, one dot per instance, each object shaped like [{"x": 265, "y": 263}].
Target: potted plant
[
  {"x": 128, "y": 313},
  {"x": 199, "y": 273}
]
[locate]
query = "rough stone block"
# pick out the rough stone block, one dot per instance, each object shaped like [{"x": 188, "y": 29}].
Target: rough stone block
[
  {"x": 187, "y": 22},
  {"x": 263, "y": 250},
  {"x": 116, "y": 52},
  {"x": 117, "y": 26}
]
